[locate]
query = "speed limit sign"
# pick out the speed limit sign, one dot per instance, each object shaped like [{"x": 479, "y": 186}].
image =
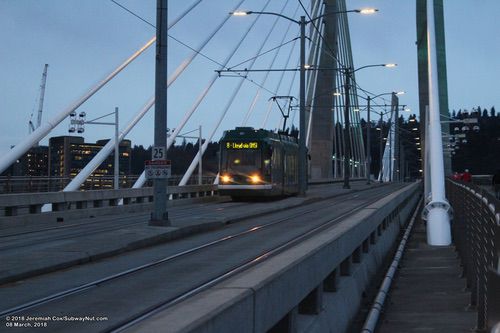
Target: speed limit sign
[{"x": 158, "y": 153}]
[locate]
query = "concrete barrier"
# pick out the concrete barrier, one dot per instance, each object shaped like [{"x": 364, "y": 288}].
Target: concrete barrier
[
  {"x": 27, "y": 207},
  {"x": 316, "y": 286}
]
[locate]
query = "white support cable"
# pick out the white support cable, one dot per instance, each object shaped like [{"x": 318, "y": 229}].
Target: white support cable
[
  {"x": 142, "y": 178},
  {"x": 268, "y": 113},
  {"x": 292, "y": 82},
  {"x": 278, "y": 86},
  {"x": 311, "y": 89},
  {"x": 75, "y": 183},
  {"x": 98, "y": 159},
  {"x": 264, "y": 80},
  {"x": 44, "y": 129},
  {"x": 200, "y": 153},
  {"x": 202, "y": 45}
]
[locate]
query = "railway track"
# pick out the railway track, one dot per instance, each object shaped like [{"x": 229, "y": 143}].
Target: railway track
[{"x": 215, "y": 261}]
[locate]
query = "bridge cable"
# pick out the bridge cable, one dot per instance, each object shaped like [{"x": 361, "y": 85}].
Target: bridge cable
[
  {"x": 263, "y": 81},
  {"x": 199, "y": 155},
  {"x": 142, "y": 179}
]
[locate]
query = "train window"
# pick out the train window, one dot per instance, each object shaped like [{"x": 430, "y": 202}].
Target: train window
[{"x": 243, "y": 160}]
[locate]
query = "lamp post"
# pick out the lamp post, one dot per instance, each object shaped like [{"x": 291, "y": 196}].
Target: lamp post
[
  {"x": 302, "y": 126},
  {"x": 348, "y": 73},
  {"x": 80, "y": 123},
  {"x": 368, "y": 129}
]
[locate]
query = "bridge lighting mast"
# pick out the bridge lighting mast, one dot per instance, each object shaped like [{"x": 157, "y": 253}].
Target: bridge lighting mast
[
  {"x": 160, "y": 213},
  {"x": 436, "y": 212},
  {"x": 302, "y": 126}
]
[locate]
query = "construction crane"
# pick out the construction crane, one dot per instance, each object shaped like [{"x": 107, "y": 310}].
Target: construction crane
[{"x": 32, "y": 127}]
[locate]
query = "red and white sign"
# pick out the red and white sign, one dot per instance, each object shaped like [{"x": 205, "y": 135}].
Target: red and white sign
[{"x": 157, "y": 169}]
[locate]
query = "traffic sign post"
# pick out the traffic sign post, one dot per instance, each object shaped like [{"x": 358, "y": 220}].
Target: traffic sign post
[{"x": 157, "y": 169}]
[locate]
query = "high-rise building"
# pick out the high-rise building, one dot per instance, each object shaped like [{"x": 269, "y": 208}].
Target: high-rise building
[{"x": 68, "y": 155}]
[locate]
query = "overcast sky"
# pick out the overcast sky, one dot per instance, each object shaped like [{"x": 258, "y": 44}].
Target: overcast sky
[{"x": 82, "y": 41}]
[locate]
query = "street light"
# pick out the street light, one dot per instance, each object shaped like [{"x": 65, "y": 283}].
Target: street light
[
  {"x": 302, "y": 121},
  {"x": 348, "y": 73},
  {"x": 368, "y": 128},
  {"x": 80, "y": 123}
]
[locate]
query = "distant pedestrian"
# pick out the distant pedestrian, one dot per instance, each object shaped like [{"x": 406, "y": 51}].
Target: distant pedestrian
[
  {"x": 466, "y": 176},
  {"x": 496, "y": 183}
]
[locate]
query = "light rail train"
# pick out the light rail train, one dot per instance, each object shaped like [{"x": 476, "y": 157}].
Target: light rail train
[{"x": 257, "y": 162}]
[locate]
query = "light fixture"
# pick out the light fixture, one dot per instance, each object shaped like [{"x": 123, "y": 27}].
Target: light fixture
[
  {"x": 390, "y": 65},
  {"x": 399, "y": 92},
  {"x": 336, "y": 93},
  {"x": 240, "y": 13},
  {"x": 366, "y": 11}
]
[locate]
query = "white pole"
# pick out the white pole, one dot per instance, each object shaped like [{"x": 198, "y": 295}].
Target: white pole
[
  {"x": 426, "y": 164},
  {"x": 44, "y": 129},
  {"x": 117, "y": 152},
  {"x": 106, "y": 150},
  {"x": 200, "y": 174},
  {"x": 436, "y": 212}
]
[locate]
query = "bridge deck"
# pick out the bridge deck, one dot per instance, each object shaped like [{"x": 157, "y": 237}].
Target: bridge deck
[
  {"x": 49, "y": 247},
  {"x": 428, "y": 293}
]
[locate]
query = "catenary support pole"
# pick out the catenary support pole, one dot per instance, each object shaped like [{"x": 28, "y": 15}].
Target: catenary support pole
[
  {"x": 436, "y": 212},
  {"x": 302, "y": 111},
  {"x": 200, "y": 170},
  {"x": 117, "y": 153},
  {"x": 397, "y": 157},
  {"x": 347, "y": 139},
  {"x": 159, "y": 215},
  {"x": 381, "y": 149},
  {"x": 368, "y": 142}
]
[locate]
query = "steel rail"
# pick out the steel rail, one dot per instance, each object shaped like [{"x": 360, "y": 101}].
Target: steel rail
[
  {"x": 95, "y": 283},
  {"x": 256, "y": 260}
]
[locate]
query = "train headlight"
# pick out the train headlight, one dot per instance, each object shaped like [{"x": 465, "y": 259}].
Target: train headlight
[
  {"x": 225, "y": 179},
  {"x": 255, "y": 179}
]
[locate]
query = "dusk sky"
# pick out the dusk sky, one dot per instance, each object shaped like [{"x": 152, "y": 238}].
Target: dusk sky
[{"x": 82, "y": 41}]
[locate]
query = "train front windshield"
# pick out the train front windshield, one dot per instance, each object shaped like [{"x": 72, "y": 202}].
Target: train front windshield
[{"x": 241, "y": 161}]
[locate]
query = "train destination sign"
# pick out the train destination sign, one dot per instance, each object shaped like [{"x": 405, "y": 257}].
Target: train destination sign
[{"x": 242, "y": 145}]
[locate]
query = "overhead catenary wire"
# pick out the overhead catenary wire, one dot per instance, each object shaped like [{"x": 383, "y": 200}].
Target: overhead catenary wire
[
  {"x": 142, "y": 178},
  {"x": 45, "y": 128},
  {"x": 264, "y": 79},
  {"x": 200, "y": 153}
]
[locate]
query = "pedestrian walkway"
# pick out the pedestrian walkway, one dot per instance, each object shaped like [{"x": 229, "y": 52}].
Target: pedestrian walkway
[{"x": 428, "y": 294}]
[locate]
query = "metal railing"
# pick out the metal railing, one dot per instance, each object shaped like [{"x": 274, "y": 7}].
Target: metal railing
[{"x": 476, "y": 234}]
